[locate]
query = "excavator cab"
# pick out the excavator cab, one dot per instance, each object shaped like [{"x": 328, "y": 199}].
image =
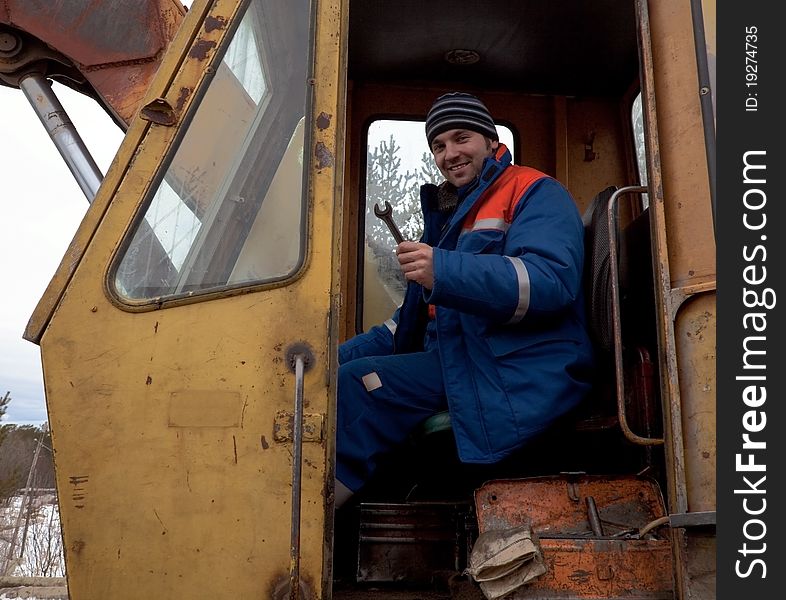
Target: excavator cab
[{"x": 189, "y": 337}]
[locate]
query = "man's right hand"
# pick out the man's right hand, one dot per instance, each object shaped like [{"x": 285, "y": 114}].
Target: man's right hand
[{"x": 417, "y": 262}]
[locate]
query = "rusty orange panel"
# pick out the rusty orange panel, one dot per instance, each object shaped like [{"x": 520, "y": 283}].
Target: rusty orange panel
[
  {"x": 602, "y": 569},
  {"x": 117, "y": 45},
  {"x": 558, "y": 505},
  {"x": 582, "y": 563},
  {"x": 98, "y": 32}
]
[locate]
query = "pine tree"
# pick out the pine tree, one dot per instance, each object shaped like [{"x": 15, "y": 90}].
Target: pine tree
[
  {"x": 428, "y": 172},
  {"x": 386, "y": 183},
  {"x": 8, "y": 481}
]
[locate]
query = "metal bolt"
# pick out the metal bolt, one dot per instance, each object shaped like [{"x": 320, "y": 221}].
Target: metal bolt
[
  {"x": 10, "y": 44},
  {"x": 704, "y": 91}
]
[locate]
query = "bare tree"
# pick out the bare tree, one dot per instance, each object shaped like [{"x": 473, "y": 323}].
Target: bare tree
[
  {"x": 386, "y": 183},
  {"x": 30, "y": 537},
  {"x": 43, "y": 551}
]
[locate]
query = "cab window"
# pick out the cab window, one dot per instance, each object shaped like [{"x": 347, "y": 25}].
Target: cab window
[
  {"x": 398, "y": 162},
  {"x": 637, "y": 122},
  {"x": 229, "y": 209}
]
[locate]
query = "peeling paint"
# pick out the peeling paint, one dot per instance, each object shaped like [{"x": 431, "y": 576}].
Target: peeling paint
[
  {"x": 264, "y": 442},
  {"x": 201, "y": 49},
  {"x": 324, "y": 156},
  {"x": 181, "y": 98},
  {"x": 213, "y": 23},
  {"x": 698, "y": 324},
  {"x": 323, "y": 120}
]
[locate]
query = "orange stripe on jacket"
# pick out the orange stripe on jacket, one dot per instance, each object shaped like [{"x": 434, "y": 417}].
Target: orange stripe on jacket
[{"x": 499, "y": 201}]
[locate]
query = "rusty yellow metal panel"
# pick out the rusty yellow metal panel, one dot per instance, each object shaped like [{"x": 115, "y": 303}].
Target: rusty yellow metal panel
[
  {"x": 684, "y": 263},
  {"x": 696, "y": 336},
  {"x": 172, "y": 482},
  {"x": 686, "y": 194}
]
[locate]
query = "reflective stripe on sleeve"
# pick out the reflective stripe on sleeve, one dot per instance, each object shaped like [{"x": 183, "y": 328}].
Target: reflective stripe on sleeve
[
  {"x": 523, "y": 277},
  {"x": 486, "y": 224},
  {"x": 499, "y": 224},
  {"x": 391, "y": 325}
]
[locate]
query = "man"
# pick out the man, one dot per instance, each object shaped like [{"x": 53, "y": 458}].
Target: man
[{"x": 492, "y": 323}]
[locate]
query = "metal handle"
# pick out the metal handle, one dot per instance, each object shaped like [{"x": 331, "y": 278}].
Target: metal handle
[
  {"x": 300, "y": 358},
  {"x": 297, "y": 470},
  {"x": 617, "y": 319}
]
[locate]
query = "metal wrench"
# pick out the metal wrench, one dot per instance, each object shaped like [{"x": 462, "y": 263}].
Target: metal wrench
[{"x": 386, "y": 215}]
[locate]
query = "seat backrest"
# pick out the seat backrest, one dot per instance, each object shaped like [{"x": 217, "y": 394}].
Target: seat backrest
[
  {"x": 597, "y": 276},
  {"x": 597, "y": 298}
]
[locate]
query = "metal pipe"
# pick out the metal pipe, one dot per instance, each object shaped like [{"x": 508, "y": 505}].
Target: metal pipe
[
  {"x": 653, "y": 525},
  {"x": 62, "y": 132},
  {"x": 593, "y": 516},
  {"x": 616, "y": 321},
  {"x": 297, "y": 460},
  {"x": 706, "y": 93}
]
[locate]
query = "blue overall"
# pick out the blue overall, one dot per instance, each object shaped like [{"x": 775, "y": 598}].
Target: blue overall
[{"x": 507, "y": 350}]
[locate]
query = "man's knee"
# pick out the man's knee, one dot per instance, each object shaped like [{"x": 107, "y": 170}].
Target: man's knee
[{"x": 359, "y": 372}]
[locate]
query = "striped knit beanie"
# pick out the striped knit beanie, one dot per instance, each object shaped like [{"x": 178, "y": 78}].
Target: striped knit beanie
[{"x": 459, "y": 111}]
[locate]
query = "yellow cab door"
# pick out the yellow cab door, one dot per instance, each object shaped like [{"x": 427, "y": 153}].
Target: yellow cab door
[{"x": 187, "y": 333}]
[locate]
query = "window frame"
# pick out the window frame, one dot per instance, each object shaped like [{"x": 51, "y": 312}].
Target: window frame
[
  {"x": 180, "y": 79},
  {"x": 360, "y": 282}
]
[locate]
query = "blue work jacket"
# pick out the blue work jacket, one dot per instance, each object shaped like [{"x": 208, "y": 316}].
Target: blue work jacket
[{"x": 508, "y": 308}]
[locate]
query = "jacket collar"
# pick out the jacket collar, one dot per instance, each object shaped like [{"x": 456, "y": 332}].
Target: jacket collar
[
  {"x": 471, "y": 192},
  {"x": 492, "y": 166}
]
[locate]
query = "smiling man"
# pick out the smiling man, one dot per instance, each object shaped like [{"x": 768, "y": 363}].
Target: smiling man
[{"x": 492, "y": 326}]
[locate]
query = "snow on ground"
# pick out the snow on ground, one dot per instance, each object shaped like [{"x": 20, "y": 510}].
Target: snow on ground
[{"x": 34, "y": 532}]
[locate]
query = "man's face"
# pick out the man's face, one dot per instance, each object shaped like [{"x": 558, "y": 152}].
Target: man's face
[{"x": 459, "y": 154}]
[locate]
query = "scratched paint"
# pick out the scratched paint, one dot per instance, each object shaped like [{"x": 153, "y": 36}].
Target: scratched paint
[{"x": 184, "y": 94}]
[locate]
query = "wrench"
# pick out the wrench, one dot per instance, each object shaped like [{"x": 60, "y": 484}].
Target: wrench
[{"x": 386, "y": 215}]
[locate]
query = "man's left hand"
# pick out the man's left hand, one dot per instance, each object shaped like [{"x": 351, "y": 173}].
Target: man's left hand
[{"x": 417, "y": 262}]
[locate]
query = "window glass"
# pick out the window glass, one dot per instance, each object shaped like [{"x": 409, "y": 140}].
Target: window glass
[
  {"x": 229, "y": 210},
  {"x": 637, "y": 120},
  {"x": 398, "y": 162}
]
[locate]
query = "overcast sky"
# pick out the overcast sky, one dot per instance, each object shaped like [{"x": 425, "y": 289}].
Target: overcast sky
[{"x": 41, "y": 207}]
